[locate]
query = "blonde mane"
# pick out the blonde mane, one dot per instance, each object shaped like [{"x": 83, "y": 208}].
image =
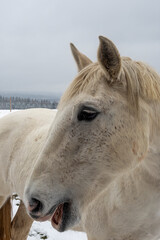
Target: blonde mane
[
  {"x": 141, "y": 81},
  {"x": 136, "y": 78}
]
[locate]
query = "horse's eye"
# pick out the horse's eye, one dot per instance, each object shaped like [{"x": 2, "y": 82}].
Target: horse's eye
[{"x": 87, "y": 114}]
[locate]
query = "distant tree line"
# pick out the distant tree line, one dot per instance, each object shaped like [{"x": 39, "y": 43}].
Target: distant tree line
[{"x": 24, "y": 103}]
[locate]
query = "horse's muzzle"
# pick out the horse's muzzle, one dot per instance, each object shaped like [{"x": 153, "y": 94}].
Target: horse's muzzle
[{"x": 62, "y": 214}]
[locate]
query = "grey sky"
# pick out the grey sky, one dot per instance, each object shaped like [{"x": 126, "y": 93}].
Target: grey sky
[{"x": 35, "y": 36}]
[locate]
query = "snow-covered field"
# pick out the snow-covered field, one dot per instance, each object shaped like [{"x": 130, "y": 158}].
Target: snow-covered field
[
  {"x": 45, "y": 230},
  {"x": 5, "y": 112}
]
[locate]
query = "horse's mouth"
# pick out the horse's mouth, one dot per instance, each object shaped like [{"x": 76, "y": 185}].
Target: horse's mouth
[
  {"x": 61, "y": 216},
  {"x": 56, "y": 218}
]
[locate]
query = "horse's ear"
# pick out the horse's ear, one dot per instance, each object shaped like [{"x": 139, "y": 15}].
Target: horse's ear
[
  {"x": 109, "y": 57},
  {"x": 81, "y": 60}
]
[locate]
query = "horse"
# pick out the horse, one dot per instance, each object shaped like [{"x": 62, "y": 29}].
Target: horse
[
  {"x": 100, "y": 162},
  {"x": 112, "y": 192},
  {"x": 22, "y": 135}
]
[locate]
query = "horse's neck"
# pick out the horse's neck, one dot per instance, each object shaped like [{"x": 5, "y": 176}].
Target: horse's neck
[
  {"x": 129, "y": 205},
  {"x": 134, "y": 195},
  {"x": 139, "y": 188},
  {"x": 152, "y": 160}
]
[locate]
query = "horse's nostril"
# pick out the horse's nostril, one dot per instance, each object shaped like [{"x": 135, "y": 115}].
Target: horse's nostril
[{"x": 35, "y": 205}]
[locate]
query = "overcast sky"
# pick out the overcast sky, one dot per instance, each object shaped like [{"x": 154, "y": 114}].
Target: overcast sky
[{"x": 35, "y": 55}]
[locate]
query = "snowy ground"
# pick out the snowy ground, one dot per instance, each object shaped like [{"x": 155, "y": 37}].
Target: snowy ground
[
  {"x": 5, "y": 112},
  {"x": 45, "y": 230}
]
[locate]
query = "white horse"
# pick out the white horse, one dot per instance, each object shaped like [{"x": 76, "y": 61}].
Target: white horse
[
  {"x": 22, "y": 135},
  {"x": 98, "y": 162},
  {"x": 101, "y": 160}
]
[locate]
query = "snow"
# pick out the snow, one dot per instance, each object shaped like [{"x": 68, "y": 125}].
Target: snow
[
  {"x": 44, "y": 230},
  {"x": 40, "y": 230},
  {"x": 5, "y": 112}
]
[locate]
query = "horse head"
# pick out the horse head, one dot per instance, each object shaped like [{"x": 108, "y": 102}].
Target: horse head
[{"x": 101, "y": 130}]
